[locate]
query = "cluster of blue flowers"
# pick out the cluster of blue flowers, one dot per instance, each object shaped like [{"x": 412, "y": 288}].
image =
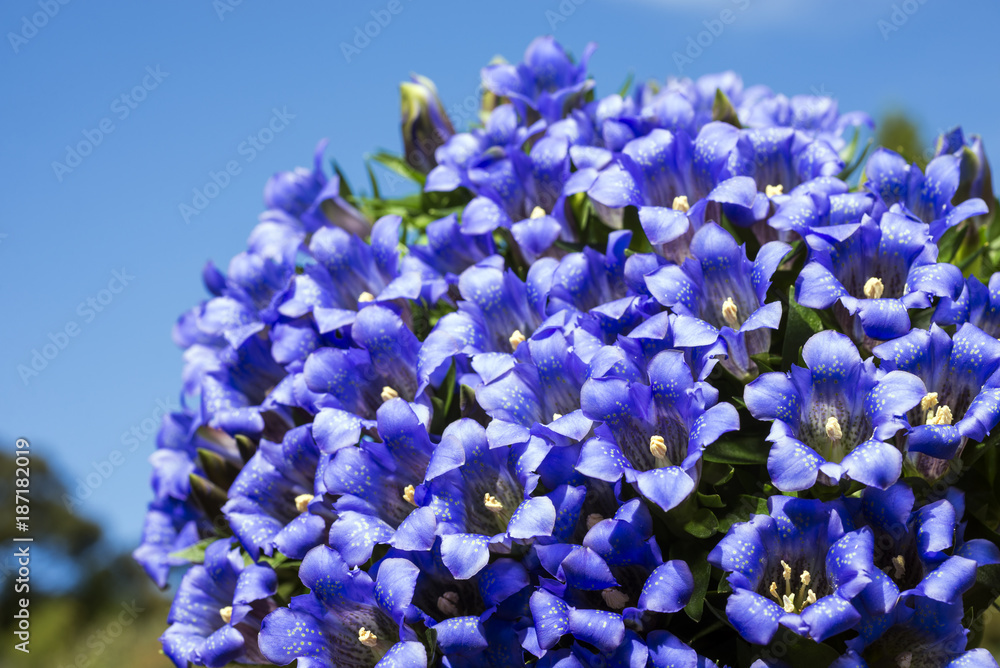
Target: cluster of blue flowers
[{"x": 641, "y": 380}]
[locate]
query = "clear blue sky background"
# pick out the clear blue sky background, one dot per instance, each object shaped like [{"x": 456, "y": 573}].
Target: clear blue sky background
[{"x": 118, "y": 208}]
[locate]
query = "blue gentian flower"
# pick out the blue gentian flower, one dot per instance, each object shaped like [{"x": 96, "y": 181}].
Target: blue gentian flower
[
  {"x": 963, "y": 397},
  {"x": 546, "y": 83},
  {"x": 799, "y": 566},
  {"x": 338, "y": 623},
  {"x": 655, "y": 423},
  {"x": 925, "y": 196},
  {"x": 928, "y": 634},
  {"x": 884, "y": 268},
  {"x": 218, "y": 610},
  {"x": 832, "y": 419},
  {"x": 725, "y": 289}
]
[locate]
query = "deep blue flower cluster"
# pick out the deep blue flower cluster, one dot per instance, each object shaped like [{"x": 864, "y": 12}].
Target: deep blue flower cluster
[{"x": 641, "y": 380}]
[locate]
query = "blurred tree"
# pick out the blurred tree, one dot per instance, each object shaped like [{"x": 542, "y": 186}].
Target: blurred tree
[
  {"x": 90, "y": 605},
  {"x": 899, "y": 133}
]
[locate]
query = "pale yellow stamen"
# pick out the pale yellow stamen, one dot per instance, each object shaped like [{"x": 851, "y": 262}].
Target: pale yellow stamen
[
  {"x": 367, "y": 638},
  {"x": 658, "y": 447},
  {"x": 771, "y": 191},
  {"x": 448, "y": 603},
  {"x": 593, "y": 519},
  {"x": 788, "y": 603},
  {"x": 556, "y": 416},
  {"x": 302, "y": 502},
  {"x": 874, "y": 288},
  {"x": 833, "y": 430},
  {"x": 389, "y": 393},
  {"x": 680, "y": 203},
  {"x": 805, "y": 579},
  {"x": 929, "y": 401},
  {"x": 786, "y": 572},
  {"x": 516, "y": 339},
  {"x": 366, "y": 297},
  {"x": 729, "y": 313},
  {"x": 942, "y": 416},
  {"x": 811, "y": 598},
  {"x": 616, "y": 599},
  {"x": 898, "y": 566},
  {"x": 226, "y": 613},
  {"x": 774, "y": 591},
  {"x": 408, "y": 494},
  {"x": 538, "y": 212},
  {"x": 492, "y": 503}
]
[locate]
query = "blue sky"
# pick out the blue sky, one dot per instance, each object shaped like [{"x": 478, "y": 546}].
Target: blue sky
[{"x": 96, "y": 260}]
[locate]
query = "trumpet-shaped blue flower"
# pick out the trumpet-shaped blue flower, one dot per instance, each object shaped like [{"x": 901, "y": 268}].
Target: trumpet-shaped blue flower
[
  {"x": 340, "y": 622},
  {"x": 963, "y": 397},
  {"x": 876, "y": 274},
  {"x": 656, "y": 421},
  {"x": 832, "y": 419},
  {"x": 926, "y": 196},
  {"x": 723, "y": 288},
  {"x": 799, "y": 566},
  {"x": 218, "y": 609}
]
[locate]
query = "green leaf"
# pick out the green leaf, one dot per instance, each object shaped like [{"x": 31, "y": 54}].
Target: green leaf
[
  {"x": 802, "y": 323},
  {"x": 399, "y": 166},
  {"x": 710, "y": 500},
  {"x": 623, "y": 91},
  {"x": 703, "y": 524},
  {"x": 194, "y": 553},
  {"x": 723, "y": 110},
  {"x": 738, "y": 450},
  {"x": 701, "y": 570}
]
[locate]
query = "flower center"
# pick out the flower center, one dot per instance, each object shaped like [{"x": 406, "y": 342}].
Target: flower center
[
  {"x": 793, "y": 602},
  {"x": 615, "y": 599},
  {"x": 516, "y": 339},
  {"x": 226, "y": 613},
  {"x": 833, "y": 430},
  {"x": 367, "y": 638},
  {"x": 556, "y": 416},
  {"x": 408, "y": 494},
  {"x": 538, "y": 212},
  {"x": 366, "y": 297},
  {"x": 940, "y": 416},
  {"x": 492, "y": 503},
  {"x": 681, "y": 204},
  {"x": 389, "y": 393},
  {"x": 730, "y": 314},
  {"x": 302, "y": 502},
  {"x": 448, "y": 603},
  {"x": 898, "y": 567},
  {"x": 593, "y": 519},
  {"x": 771, "y": 191},
  {"x": 658, "y": 448},
  {"x": 874, "y": 288}
]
